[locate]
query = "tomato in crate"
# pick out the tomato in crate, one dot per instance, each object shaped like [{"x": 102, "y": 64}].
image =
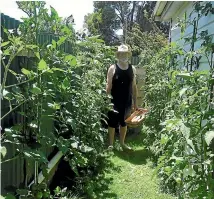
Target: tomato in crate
[{"x": 136, "y": 118}]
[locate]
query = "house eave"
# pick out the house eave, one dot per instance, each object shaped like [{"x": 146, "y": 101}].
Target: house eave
[{"x": 165, "y": 10}]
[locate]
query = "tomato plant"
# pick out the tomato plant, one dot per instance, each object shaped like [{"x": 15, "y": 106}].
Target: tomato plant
[
  {"x": 179, "y": 128},
  {"x": 63, "y": 93}
]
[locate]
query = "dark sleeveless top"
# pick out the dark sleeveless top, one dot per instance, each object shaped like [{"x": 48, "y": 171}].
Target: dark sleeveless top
[{"x": 122, "y": 87}]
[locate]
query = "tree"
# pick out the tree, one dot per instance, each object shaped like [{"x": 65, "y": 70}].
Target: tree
[
  {"x": 103, "y": 22},
  {"x": 145, "y": 20},
  {"x": 111, "y": 16},
  {"x": 145, "y": 44},
  {"x": 94, "y": 22}
]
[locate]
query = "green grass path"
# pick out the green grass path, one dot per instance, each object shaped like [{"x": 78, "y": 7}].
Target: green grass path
[{"x": 133, "y": 178}]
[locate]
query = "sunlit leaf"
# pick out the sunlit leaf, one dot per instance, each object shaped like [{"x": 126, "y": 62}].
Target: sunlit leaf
[
  {"x": 7, "y": 52},
  {"x": 33, "y": 125},
  {"x": 66, "y": 83},
  {"x": 54, "y": 44},
  {"x": 185, "y": 75},
  {"x": 61, "y": 41},
  {"x": 42, "y": 65},
  {"x": 5, "y": 43},
  {"x": 182, "y": 91},
  {"x": 54, "y": 14},
  {"x": 57, "y": 69},
  {"x": 57, "y": 190},
  {"x": 209, "y": 137},
  {"x": 173, "y": 44},
  {"x": 54, "y": 106},
  {"x": 12, "y": 72},
  {"x": 66, "y": 30},
  {"x": 3, "y": 151},
  {"x": 185, "y": 131},
  {"x": 36, "y": 155},
  {"x": 20, "y": 49},
  {"x": 68, "y": 57},
  {"x": 74, "y": 145},
  {"x": 190, "y": 143},
  {"x": 32, "y": 46},
  {"x": 73, "y": 62},
  {"x": 25, "y": 71},
  {"x": 37, "y": 55},
  {"x": 8, "y": 130},
  {"x": 5, "y": 92},
  {"x": 35, "y": 90},
  {"x": 86, "y": 149},
  {"x": 164, "y": 140},
  {"x": 188, "y": 171}
]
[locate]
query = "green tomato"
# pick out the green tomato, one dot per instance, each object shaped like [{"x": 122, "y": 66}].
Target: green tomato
[
  {"x": 46, "y": 195},
  {"x": 39, "y": 195},
  {"x": 178, "y": 180}
]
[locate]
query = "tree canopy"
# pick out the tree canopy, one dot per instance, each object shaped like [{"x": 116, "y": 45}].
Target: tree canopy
[{"x": 111, "y": 16}]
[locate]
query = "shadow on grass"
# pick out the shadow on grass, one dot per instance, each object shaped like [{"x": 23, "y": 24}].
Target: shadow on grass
[
  {"x": 108, "y": 195},
  {"x": 140, "y": 155},
  {"x": 136, "y": 157},
  {"x": 104, "y": 192},
  {"x": 136, "y": 139}
]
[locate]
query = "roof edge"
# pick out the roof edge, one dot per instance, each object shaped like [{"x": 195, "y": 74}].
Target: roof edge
[{"x": 165, "y": 10}]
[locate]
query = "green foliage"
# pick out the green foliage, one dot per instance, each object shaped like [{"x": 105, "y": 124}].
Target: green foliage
[
  {"x": 41, "y": 21},
  {"x": 41, "y": 192},
  {"x": 145, "y": 44},
  {"x": 180, "y": 123},
  {"x": 103, "y": 22},
  {"x": 94, "y": 21},
  {"x": 3, "y": 151},
  {"x": 134, "y": 171},
  {"x": 64, "y": 96},
  {"x": 109, "y": 17}
]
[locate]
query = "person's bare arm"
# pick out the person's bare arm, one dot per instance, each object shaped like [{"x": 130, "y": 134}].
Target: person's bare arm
[
  {"x": 134, "y": 89},
  {"x": 109, "y": 79}
]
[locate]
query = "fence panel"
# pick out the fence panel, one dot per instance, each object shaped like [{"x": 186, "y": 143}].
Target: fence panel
[{"x": 14, "y": 172}]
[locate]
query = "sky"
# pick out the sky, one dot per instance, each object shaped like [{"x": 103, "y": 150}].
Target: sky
[{"x": 78, "y": 8}]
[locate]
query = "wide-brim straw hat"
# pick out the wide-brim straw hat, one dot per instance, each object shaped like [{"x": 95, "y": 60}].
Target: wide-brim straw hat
[{"x": 123, "y": 49}]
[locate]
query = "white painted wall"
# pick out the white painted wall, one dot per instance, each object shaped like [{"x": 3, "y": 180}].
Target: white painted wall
[{"x": 205, "y": 23}]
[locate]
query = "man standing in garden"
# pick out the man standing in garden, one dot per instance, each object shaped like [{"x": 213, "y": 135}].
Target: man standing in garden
[{"x": 121, "y": 85}]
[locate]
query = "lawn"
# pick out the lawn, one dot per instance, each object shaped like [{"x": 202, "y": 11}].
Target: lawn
[{"x": 133, "y": 177}]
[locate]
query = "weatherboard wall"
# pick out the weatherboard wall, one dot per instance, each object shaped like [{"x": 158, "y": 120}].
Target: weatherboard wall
[{"x": 205, "y": 23}]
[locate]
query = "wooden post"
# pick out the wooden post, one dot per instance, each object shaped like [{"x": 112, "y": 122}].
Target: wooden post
[{"x": 140, "y": 79}]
